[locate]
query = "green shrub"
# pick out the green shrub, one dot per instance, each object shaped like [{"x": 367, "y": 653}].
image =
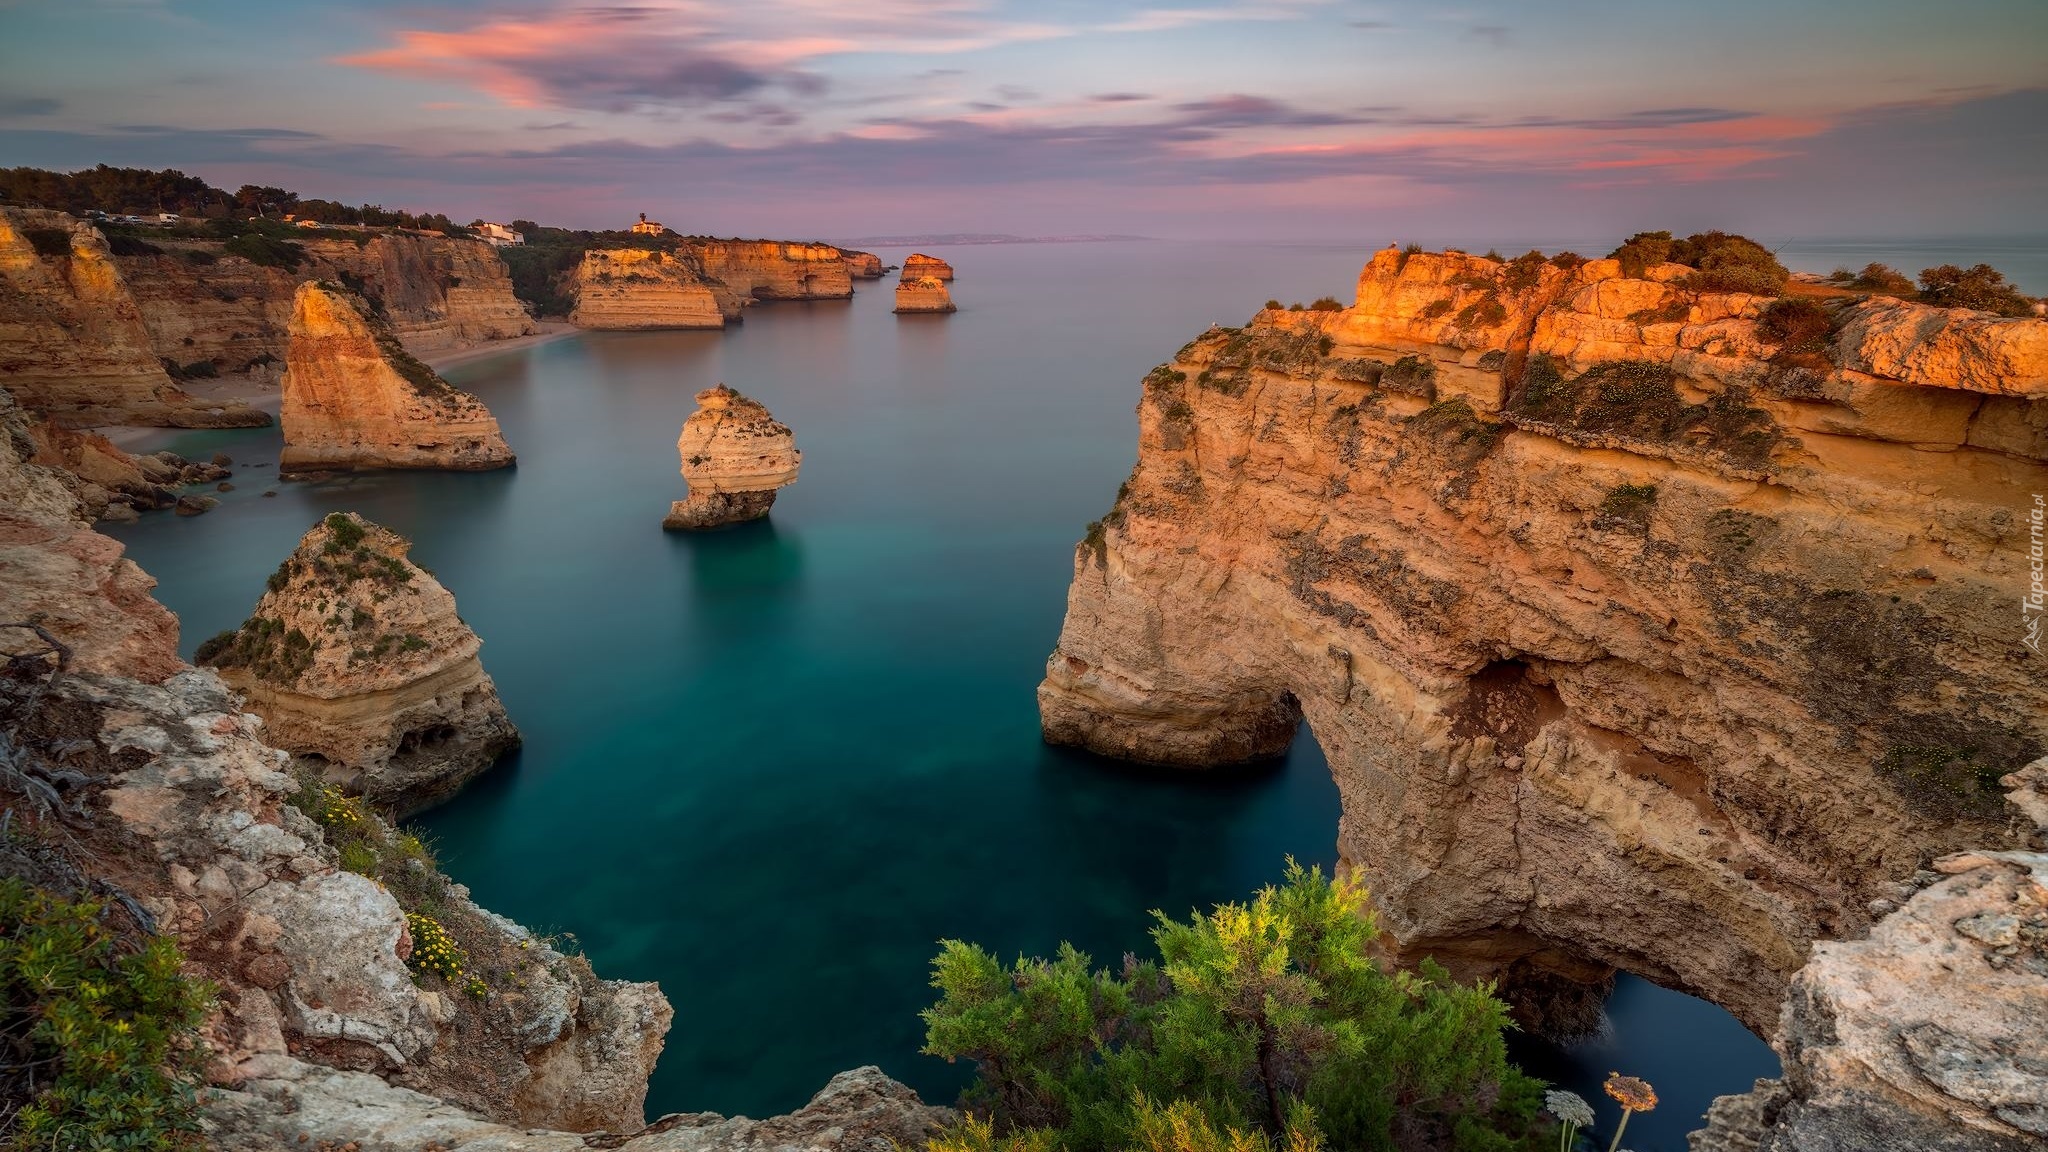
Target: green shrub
[
  {"x": 1272, "y": 306},
  {"x": 1436, "y": 310},
  {"x": 124, "y": 244},
  {"x": 268, "y": 251},
  {"x": 1484, "y": 312},
  {"x": 1724, "y": 262},
  {"x": 111, "y": 1031},
  {"x": 1883, "y": 278},
  {"x": 345, "y": 532},
  {"x": 1982, "y": 288},
  {"x": 1269, "y": 1018},
  {"x": 1627, "y": 505},
  {"x": 1797, "y": 323},
  {"x": 1411, "y": 374},
  {"x": 49, "y": 243},
  {"x": 1326, "y": 304},
  {"x": 200, "y": 257}
]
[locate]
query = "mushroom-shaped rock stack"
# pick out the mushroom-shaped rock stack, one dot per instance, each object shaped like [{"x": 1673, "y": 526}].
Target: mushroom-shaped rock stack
[
  {"x": 918, "y": 264},
  {"x": 354, "y": 398},
  {"x": 923, "y": 294},
  {"x": 735, "y": 456},
  {"x": 358, "y": 664}
]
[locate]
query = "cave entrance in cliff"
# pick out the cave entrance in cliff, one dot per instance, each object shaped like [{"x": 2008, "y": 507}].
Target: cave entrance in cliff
[{"x": 1578, "y": 1018}]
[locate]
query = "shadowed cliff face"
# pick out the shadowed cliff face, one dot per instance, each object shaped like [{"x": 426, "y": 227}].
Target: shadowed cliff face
[
  {"x": 1637, "y": 636},
  {"x": 631, "y": 288}
]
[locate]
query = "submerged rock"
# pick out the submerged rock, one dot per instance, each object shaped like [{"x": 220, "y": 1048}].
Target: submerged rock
[
  {"x": 924, "y": 294},
  {"x": 918, "y": 264},
  {"x": 358, "y": 664},
  {"x": 354, "y": 398},
  {"x": 735, "y": 457}
]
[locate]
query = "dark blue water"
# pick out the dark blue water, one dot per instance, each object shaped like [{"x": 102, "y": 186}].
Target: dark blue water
[{"x": 771, "y": 767}]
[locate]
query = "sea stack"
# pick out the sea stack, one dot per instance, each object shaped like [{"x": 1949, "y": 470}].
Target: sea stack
[
  {"x": 355, "y": 399},
  {"x": 360, "y": 667},
  {"x": 862, "y": 265},
  {"x": 923, "y": 294},
  {"x": 918, "y": 264},
  {"x": 735, "y": 456}
]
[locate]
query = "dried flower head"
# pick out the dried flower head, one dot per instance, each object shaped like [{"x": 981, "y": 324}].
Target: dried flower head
[
  {"x": 1634, "y": 1095},
  {"x": 1570, "y": 1107}
]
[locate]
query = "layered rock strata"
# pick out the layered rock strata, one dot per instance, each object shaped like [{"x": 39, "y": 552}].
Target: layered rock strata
[
  {"x": 632, "y": 288},
  {"x": 322, "y": 1036},
  {"x": 862, "y": 265},
  {"x": 918, "y": 264},
  {"x": 924, "y": 294},
  {"x": 1635, "y": 637},
  {"x": 73, "y": 344},
  {"x": 361, "y": 668},
  {"x": 735, "y": 457},
  {"x": 775, "y": 269},
  {"x": 1926, "y": 1035},
  {"x": 355, "y": 399}
]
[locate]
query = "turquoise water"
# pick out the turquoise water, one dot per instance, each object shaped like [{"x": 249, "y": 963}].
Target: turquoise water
[{"x": 770, "y": 767}]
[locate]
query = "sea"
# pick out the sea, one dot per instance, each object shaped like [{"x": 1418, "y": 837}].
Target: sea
[{"x": 772, "y": 767}]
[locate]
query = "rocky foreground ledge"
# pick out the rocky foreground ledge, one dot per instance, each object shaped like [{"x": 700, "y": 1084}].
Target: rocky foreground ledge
[{"x": 316, "y": 921}]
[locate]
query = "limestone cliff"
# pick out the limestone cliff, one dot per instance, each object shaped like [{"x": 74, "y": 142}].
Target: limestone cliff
[
  {"x": 924, "y": 294},
  {"x": 735, "y": 457},
  {"x": 1925, "y": 1036},
  {"x": 354, "y": 399},
  {"x": 360, "y": 667},
  {"x": 203, "y": 304},
  {"x": 862, "y": 265},
  {"x": 918, "y": 264},
  {"x": 73, "y": 343},
  {"x": 1639, "y": 632},
  {"x": 307, "y": 913},
  {"x": 775, "y": 269},
  {"x": 632, "y": 288}
]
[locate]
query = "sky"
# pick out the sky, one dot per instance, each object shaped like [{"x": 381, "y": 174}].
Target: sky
[{"x": 1268, "y": 119}]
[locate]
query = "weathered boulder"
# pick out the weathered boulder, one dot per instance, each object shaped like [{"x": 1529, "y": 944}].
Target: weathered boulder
[
  {"x": 1927, "y": 1035},
  {"x": 355, "y": 399},
  {"x": 360, "y": 666},
  {"x": 736, "y": 457},
  {"x": 918, "y": 264},
  {"x": 924, "y": 294}
]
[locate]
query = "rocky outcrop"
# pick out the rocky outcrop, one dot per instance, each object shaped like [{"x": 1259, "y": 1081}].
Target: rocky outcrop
[
  {"x": 862, "y": 265},
  {"x": 1924, "y": 1036},
  {"x": 1634, "y": 637},
  {"x": 858, "y": 1111},
  {"x": 355, "y": 399},
  {"x": 775, "y": 269},
  {"x": 924, "y": 294},
  {"x": 633, "y": 288},
  {"x": 438, "y": 292},
  {"x": 735, "y": 457},
  {"x": 325, "y": 1034},
  {"x": 73, "y": 344},
  {"x": 109, "y": 482},
  {"x": 361, "y": 668},
  {"x": 918, "y": 264}
]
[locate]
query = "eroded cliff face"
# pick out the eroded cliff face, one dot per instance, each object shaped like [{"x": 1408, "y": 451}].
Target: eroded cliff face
[
  {"x": 776, "y": 269},
  {"x": 862, "y": 265},
  {"x": 924, "y": 294},
  {"x": 632, "y": 288},
  {"x": 1635, "y": 638},
  {"x": 73, "y": 343},
  {"x": 360, "y": 667},
  {"x": 323, "y": 1036},
  {"x": 355, "y": 399},
  {"x": 918, "y": 264},
  {"x": 736, "y": 456}
]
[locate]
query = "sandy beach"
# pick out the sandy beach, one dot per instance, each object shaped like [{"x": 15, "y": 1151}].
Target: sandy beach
[{"x": 550, "y": 331}]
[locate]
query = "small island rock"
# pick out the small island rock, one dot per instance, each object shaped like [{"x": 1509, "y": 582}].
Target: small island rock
[
  {"x": 735, "y": 456},
  {"x": 923, "y": 294},
  {"x": 918, "y": 264}
]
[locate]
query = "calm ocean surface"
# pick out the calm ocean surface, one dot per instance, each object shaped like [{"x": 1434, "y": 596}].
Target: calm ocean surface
[{"x": 771, "y": 767}]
